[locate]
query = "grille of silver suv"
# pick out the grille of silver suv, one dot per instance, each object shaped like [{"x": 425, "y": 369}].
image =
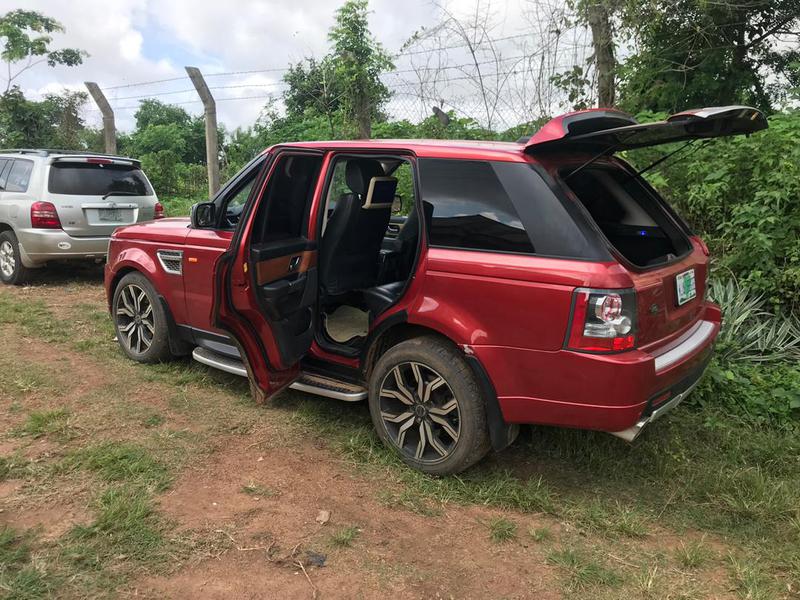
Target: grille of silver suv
[{"x": 171, "y": 261}]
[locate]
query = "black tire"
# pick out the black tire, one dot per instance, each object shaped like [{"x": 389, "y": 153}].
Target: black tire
[
  {"x": 134, "y": 335},
  {"x": 434, "y": 358},
  {"x": 11, "y": 259}
]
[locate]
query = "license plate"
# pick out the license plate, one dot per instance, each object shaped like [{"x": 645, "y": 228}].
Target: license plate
[
  {"x": 685, "y": 286},
  {"x": 110, "y": 214}
]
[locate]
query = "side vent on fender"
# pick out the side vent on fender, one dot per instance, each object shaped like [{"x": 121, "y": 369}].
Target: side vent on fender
[{"x": 171, "y": 261}]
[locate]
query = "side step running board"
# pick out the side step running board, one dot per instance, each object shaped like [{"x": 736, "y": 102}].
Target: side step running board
[{"x": 308, "y": 382}]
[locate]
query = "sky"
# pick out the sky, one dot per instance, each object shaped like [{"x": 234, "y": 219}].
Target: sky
[{"x": 240, "y": 45}]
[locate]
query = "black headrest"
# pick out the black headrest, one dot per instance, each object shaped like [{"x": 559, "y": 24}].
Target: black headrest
[{"x": 359, "y": 172}]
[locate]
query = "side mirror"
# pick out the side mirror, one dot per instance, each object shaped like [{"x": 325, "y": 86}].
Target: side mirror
[
  {"x": 202, "y": 215},
  {"x": 397, "y": 205}
]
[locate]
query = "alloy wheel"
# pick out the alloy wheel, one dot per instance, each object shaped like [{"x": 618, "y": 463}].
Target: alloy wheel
[
  {"x": 8, "y": 263},
  {"x": 135, "y": 321},
  {"x": 420, "y": 412}
]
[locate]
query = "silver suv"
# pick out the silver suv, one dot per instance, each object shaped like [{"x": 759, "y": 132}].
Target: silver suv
[{"x": 57, "y": 205}]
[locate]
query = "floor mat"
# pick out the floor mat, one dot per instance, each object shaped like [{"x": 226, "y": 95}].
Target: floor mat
[{"x": 347, "y": 322}]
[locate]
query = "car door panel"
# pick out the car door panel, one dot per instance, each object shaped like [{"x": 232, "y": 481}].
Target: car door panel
[{"x": 266, "y": 291}]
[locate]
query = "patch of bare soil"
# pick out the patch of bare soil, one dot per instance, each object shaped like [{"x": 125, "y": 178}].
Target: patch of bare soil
[{"x": 395, "y": 552}]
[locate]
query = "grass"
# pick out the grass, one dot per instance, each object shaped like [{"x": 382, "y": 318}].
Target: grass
[
  {"x": 257, "y": 490},
  {"x": 693, "y": 555},
  {"x": 126, "y": 528},
  {"x": 540, "y": 534},
  {"x": 344, "y": 537},
  {"x": 122, "y": 462},
  {"x": 502, "y": 530},
  {"x": 583, "y": 571},
  {"x": 19, "y": 578},
  {"x": 42, "y": 423}
]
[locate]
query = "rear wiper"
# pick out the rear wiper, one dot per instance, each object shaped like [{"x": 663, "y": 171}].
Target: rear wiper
[{"x": 119, "y": 193}]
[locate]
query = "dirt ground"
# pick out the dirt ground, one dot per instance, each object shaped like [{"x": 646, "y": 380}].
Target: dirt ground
[{"x": 247, "y": 486}]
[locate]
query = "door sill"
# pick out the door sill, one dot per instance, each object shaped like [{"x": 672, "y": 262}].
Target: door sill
[{"x": 310, "y": 383}]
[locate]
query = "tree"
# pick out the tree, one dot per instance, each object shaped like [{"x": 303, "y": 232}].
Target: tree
[
  {"x": 359, "y": 61},
  {"x": 598, "y": 16},
  {"x": 26, "y": 40},
  {"x": 690, "y": 53},
  {"x": 314, "y": 87},
  {"x": 53, "y": 122},
  {"x": 162, "y": 126}
]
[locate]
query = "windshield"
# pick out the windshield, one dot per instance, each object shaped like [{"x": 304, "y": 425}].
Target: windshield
[{"x": 87, "y": 179}]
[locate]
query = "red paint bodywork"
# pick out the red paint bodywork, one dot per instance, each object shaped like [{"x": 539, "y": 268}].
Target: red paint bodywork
[{"x": 510, "y": 311}]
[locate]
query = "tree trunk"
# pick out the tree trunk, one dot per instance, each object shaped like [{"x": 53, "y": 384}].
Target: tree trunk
[
  {"x": 364, "y": 119},
  {"x": 603, "y": 43}
]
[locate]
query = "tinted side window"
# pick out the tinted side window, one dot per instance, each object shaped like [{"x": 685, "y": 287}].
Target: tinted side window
[
  {"x": 471, "y": 208},
  {"x": 19, "y": 176}
]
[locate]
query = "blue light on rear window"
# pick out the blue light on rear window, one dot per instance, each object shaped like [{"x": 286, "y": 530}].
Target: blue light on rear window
[{"x": 642, "y": 232}]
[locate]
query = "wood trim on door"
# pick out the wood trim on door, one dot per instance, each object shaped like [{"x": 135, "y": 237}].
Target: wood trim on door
[{"x": 274, "y": 269}]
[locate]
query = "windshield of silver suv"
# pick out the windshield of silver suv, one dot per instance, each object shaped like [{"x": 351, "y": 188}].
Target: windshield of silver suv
[{"x": 87, "y": 179}]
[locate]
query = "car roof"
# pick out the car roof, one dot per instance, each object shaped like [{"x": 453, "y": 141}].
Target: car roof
[
  {"x": 461, "y": 149},
  {"x": 51, "y": 153}
]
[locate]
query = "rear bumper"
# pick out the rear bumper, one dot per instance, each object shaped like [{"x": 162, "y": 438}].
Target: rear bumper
[
  {"x": 37, "y": 246},
  {"x": 599, "y": 391}
]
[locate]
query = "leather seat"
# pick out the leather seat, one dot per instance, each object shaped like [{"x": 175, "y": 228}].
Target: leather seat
[
  {"x": 349, "y": 256},
  {"x": 379, "y": 298},
  {"x": 409, "y": 237}
]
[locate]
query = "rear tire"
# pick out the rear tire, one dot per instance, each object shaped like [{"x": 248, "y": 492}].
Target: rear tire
[
  {"x": 12, "y": 271},
  {"x": 139, "y": 320},
  {"x": 427, "y": 406}
]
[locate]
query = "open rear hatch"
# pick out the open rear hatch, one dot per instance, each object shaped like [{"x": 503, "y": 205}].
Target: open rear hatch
[
  {"x": 668, "y": 268},
  {"x": 607, "y": 131}
]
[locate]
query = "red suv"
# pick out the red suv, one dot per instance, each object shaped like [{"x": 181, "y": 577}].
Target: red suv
[{"x": 462, "y": 288}]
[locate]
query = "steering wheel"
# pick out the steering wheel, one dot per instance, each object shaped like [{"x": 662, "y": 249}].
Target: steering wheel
[{"x": 232, "y": 215}]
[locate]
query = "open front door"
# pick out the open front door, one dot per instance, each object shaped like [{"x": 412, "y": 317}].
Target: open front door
[{"x": 265, "y": 285}]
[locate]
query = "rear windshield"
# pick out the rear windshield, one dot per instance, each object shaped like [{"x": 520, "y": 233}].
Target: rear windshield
[
  {"x": 86, "y": 179},
  {"x": 632, "y": 217}
]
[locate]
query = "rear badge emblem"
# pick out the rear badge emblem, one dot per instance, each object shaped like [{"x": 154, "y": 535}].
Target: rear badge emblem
[
  {"x": 654, "y": 309},
  {"x": 64, "y": 245}
]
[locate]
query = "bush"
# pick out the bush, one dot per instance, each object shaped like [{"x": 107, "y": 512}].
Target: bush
[
  {"x": 742, "y": 194},
  {"x": 755, "y": 372}
]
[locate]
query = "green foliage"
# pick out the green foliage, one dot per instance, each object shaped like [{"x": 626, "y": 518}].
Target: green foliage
[
  {"x": 118, "y": 461},
  {"x": 25, "y": 37},
  {"x": 741, "y": 194},
  {"x": 692, "y": 53},
  {"x": 502, "y": 530},
  {"x": 54, "y": 122},
  {"x": 358, "y": 61}
]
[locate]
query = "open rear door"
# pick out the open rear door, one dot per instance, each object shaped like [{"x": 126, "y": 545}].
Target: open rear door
[
  {"x": 610, "y": 131},
  {"x": 265, "y": 285}
]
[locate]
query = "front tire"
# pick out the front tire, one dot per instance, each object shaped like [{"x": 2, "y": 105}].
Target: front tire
[
  {"x": 139, "y": 320},
  {"x": 427, "y": 406},
  {"x": 12, "y": 271}
]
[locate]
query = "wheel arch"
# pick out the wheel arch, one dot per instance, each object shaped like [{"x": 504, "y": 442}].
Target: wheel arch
[
  {"x": 396, "y": 329},
  {"x": 177, "y": 345}
]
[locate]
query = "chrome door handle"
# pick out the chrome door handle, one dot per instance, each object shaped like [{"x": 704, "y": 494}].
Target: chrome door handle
[{"x": 294, "y": 262}]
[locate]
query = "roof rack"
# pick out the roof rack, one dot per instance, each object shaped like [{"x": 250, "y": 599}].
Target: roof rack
[{"x": 49, "y": 151}]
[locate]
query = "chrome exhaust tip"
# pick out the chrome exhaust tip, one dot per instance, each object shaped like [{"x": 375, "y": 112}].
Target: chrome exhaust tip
[{"x": 631, "y": 433}]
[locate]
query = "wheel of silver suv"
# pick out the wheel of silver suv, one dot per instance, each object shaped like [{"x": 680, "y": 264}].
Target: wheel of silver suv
[
  {"x": 8, "y": 264},
  {"x": 426, "y": 405},
  {"x": 140, "y": 320},
  {"x": 11, "y": 268}
]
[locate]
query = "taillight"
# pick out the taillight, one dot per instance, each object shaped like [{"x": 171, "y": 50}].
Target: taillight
[
  {"x": 602, "y": 320},
  {"x": 158, "y": 211},
  {"x": 44, "y": 216}
]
